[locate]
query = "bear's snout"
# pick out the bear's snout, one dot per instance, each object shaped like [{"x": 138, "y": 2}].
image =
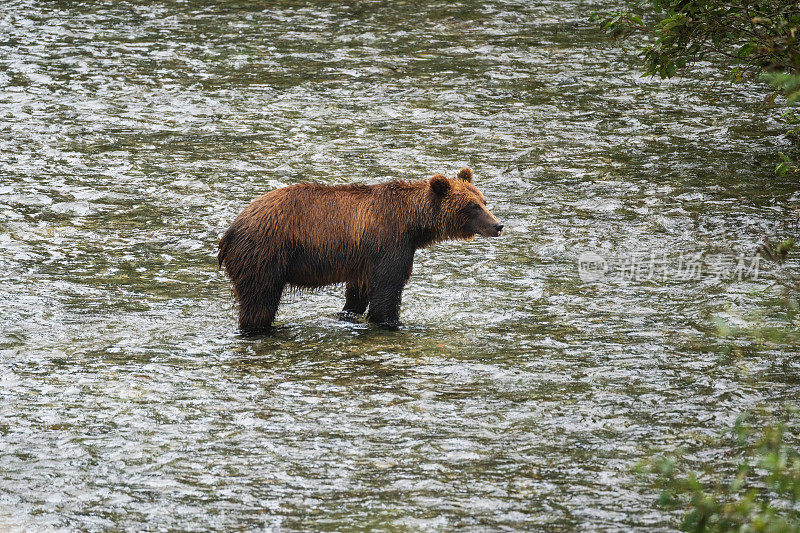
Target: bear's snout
[
  {"x": 493, "y": 230},
  {"x": 486, "y": 224}
]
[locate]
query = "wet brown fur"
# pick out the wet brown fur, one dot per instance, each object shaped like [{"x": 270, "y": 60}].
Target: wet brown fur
[{"x": 310, "y": 235}]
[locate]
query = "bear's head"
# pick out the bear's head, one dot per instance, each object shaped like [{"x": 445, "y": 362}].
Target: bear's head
[{"x": 462, "y": 208}]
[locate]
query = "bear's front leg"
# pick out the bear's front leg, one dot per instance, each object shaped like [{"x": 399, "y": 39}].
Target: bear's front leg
[
  {"x": 388, "y": 276},
  {"x": 356, "y": 301},
  {"x": 384, "y": 307}
]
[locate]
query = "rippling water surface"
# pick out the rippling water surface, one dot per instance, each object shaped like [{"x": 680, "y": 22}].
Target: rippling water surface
[{"x": 518, "y": 395}]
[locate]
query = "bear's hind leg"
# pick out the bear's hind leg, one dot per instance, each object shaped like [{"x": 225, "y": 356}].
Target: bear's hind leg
[
  {"x": 356, "y": 301},
  {"x": 257, "y": 312}
]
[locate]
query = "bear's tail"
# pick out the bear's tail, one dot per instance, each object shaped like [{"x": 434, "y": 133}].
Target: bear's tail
[{"x": 224, "y": 243}]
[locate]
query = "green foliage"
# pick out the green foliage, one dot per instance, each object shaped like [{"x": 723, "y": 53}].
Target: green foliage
[
  {"x": 748, "y": 39},
  {"x": 786, "y": 166},
  {"x": 759, "y": 494},
  {"x": 788, "y": 84}
]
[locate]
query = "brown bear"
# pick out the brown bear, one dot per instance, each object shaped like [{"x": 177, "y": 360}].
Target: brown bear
[{"x": 309, "y": 235}]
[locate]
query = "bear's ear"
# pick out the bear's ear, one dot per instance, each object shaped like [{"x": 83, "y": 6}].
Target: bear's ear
[
  {"x": 465, "y": 174},
  {"x": 440, "y": 185}
]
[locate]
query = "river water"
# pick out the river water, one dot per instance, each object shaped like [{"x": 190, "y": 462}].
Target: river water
[{"x": 522, "y": 389}]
